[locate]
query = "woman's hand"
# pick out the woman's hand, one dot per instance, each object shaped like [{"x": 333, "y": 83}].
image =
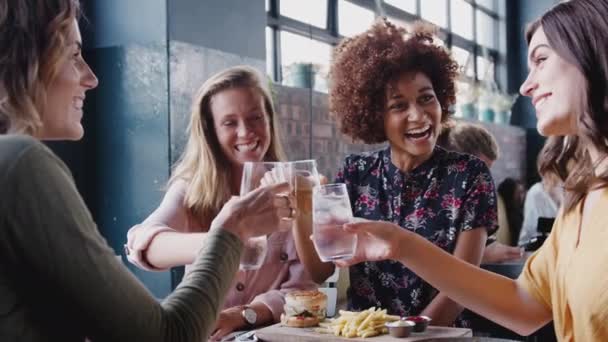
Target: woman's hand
[
  {"x": 228, "y": 321},
  {"x": 376, "y": 240},
  {"x": 260, "y": 212}
]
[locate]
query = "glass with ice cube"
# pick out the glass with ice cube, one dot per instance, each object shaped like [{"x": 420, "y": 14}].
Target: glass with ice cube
[
  {"x": 256, "y": 174},
  {"x": 331, "y": 210}
]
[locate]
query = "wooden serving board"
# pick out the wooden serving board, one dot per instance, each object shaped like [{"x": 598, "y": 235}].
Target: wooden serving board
[{"x": 279, "y": 333}]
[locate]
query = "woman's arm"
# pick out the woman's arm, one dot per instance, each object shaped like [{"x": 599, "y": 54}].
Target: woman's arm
[
  {"x": 231, "y": 319},
  {"x": 508, "y": 303},
  {"x": 469, "y": 247},
  {"x": 50, "y": 236},
  {"x": 160, "y": 242}
]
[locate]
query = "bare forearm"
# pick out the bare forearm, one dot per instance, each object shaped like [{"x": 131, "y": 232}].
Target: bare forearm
[
  {"x": 442, "y": 310},
  {"x": 264, "y": 315},
  {"x": 170, "y": 249},
  {"x": 507, "y": 304}
]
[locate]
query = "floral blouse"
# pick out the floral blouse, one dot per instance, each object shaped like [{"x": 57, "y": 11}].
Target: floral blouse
[{"x": 447, "y": 194}]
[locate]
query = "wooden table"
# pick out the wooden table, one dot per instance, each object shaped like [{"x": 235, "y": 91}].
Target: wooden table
[{"x": 279, "y": 333}]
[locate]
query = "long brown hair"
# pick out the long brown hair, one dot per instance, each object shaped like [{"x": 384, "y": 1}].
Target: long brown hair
[
  {"x": 203, "y": 164},
  {"x": 32, "y": 42},
  {"x": 574, "y": 30}
]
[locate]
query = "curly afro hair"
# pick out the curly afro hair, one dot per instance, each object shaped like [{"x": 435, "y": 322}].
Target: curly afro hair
[{"x": 364, "y": 65}]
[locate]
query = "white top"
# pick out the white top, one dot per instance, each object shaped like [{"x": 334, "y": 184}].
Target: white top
[{"x": 538, "y": 204}]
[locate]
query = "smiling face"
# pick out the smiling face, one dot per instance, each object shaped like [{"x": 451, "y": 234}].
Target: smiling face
[
  {"x": 241, "y": 124},
  {"x": 65, "y": 94},
  {"x": 555, "y": 87},
  {"x": 412, "y": 119}
]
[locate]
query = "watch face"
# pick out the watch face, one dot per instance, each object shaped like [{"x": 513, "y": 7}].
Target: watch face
[{"x": 250, "y": 315}]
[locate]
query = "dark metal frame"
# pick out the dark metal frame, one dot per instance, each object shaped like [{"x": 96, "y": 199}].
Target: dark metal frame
[{"x": 330, "y": 35}]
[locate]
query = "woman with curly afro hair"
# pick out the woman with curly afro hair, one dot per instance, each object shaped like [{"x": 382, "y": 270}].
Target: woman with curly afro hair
[{"x": 394, "y": 85}]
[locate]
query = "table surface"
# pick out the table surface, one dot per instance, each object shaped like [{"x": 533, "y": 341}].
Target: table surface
[{"x": 277, "y": 332}]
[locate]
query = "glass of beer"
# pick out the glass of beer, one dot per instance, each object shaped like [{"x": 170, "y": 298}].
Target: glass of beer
[
  {"x": 331, "y": 210},
  {"x": 306, "y": 177},
  {"x": 256, "y": 174}
]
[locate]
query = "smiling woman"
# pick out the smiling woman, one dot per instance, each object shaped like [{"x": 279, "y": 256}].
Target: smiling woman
[
  {"x": 397, "y": 85},
  {"x": 232, "y": 122},
  {"x": 47, "y": 105},
  {"x": 66, "y": 93}
]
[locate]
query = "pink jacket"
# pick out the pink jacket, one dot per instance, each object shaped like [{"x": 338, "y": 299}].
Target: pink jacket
[{"x": 281, "y": 272}]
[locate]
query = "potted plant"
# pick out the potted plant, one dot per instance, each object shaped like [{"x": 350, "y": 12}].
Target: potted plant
[
  {"x": 466, "y": 97},
  {"x": 502, "y": 106},
  {"x": 484, "y": 104},
  {"x": 301, "y": 74}
]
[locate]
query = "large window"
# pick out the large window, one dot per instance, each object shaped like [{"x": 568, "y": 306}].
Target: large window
[{"x": 301, "y": 34}]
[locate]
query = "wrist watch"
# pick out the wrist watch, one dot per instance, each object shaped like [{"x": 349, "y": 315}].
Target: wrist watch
[{"x": 250, "y": 316}]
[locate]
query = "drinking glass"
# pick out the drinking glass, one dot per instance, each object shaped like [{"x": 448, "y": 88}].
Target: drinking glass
[
  {"x": 306, "y": 177},
  {"x": 331, "y": 210},
  {"x": 256, "y": 174}
]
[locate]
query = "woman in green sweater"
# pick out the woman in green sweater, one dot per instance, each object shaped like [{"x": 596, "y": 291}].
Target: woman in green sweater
[{"x": 59, "y": 280}]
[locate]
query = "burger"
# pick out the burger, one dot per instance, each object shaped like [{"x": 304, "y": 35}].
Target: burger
[{"x": 304, "y": 309}]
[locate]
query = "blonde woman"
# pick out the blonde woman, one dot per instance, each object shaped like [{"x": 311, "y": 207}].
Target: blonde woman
[
  {"x": 232, "y": 121},
  {"x": 59, "y": 280}
]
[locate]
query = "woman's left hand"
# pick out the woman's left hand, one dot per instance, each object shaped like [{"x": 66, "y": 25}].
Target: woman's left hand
[
  {"x": 376, "y": 241},
  {"x": 228, "y": 321}
]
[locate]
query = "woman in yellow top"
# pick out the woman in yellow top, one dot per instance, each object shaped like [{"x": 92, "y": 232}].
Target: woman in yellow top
[{"x": 566, "y": 280}]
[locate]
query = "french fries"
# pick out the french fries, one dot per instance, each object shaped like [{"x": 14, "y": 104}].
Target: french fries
[{"x": 351, "y": 324}]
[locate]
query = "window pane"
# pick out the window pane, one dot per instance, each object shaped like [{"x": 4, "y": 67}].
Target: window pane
[
  {"x": 297, "y": 50},
  {"x": 486, "y": 29},
  {"x": 434, "y": 11},
  {"x": 269, "y": 54},
  {"x": 489, "y": 4},
  {"x": 267, "y": 5},
  {"x": 312, "y": 12},
  {"x": 353, "y": 19},
  {"x": 465, "y": 60},
  {"x": 462, "y": 18},
  {"x": 398, "y": 22},
  {"x": 485, "y": 69},
  {"x": 406, "y": 5}
]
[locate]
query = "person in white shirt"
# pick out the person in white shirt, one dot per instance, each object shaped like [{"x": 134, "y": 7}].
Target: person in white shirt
[{"x": 542, "y": 200}]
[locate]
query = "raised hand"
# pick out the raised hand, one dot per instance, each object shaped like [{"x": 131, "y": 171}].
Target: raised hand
[
  {"x": 376, "y": 240},
  {"x": 259, "y": 212}
]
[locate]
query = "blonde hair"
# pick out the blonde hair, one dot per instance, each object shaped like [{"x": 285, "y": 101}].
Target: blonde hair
[
  {"x": 469, "y": 138},
  {"x": 203, "y": 165},
  {"x": 32, "y": 40}
]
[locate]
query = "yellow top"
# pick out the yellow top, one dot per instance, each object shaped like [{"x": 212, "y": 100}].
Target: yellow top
[{"x": 572, "y": 280}]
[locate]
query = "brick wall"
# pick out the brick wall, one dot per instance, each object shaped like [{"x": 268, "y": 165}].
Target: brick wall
[{"x": 310, "y": 133}]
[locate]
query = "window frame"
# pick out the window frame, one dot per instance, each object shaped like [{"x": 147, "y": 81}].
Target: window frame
[{"x": 330, "y": 35}]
